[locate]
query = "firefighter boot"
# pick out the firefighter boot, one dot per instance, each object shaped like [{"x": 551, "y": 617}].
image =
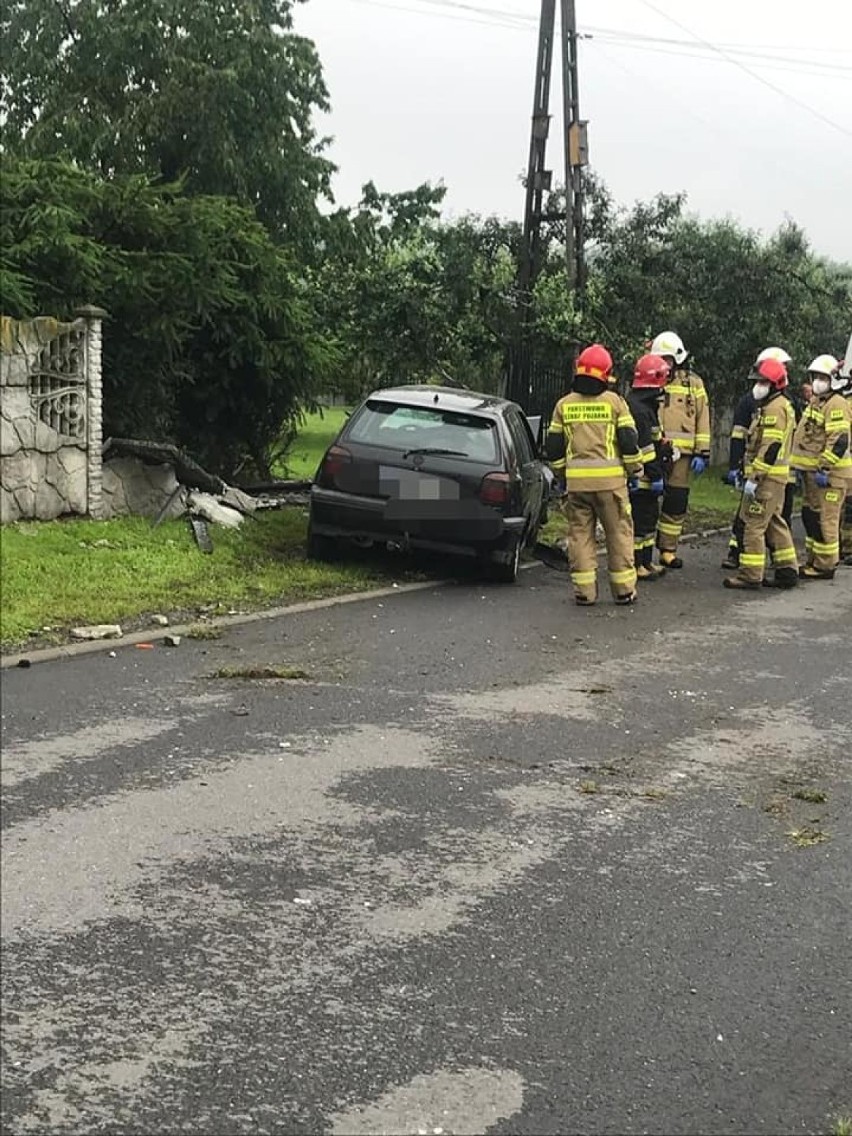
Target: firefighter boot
[
  {"x": 741, "y": 585},
  {"x": 811, "y": 573},
  {"x": 670, "y": 560},
  {"x": 784, "y": 578}
]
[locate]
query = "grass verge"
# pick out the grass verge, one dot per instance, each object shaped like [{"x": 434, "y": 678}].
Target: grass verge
[
  {"x": 316, "y": 434},
  {"x": 59, "y": 574}
]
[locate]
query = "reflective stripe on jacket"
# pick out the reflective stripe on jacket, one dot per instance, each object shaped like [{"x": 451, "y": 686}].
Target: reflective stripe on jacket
[
  {"x": 685, "y": 415},
  {"x": 600, "y": 440},
  {"x": 822, "y": 438},
  {"x": 770, "y": 437}
]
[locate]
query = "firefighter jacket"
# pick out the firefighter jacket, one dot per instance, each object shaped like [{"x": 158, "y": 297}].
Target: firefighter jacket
[
  {"x": 685, "y": 415},
  {"x": 743, "y": 414},
  {"x": 643, "y": 406},
  {"x": 592, "y": 440},
  {"x": 822, "y": 438},
  {"x": 770, "y": 437}
]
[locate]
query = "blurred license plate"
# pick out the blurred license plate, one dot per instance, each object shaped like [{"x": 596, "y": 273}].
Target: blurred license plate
[{"x": 407, "y": 485}]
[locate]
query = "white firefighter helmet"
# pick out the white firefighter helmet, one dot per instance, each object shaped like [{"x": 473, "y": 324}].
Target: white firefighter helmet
[
  {"x": 823, "y": 365},
  {"x": 776, "y": 353},
  {"x": 846, "y": 365},
  {"x": 671, "y": 344}
]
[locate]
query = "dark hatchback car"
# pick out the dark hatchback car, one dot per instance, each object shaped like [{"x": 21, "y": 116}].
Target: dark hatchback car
[{"x": 433, "y": 468}]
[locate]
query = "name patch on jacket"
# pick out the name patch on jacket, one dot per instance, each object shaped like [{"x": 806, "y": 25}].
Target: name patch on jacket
[{"x": 586, "y": 412}]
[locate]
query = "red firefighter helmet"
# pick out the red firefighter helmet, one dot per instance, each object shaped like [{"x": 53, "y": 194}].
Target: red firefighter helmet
[
  {"x": 594, "y": 361},
  {"x": 651, "y": 371},
  {"x": 772, "y": 372}
]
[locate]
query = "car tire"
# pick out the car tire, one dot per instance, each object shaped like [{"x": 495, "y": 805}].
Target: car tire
[
  {"x": 321, "y": 547},
  {"x": 506, "y": 572}
]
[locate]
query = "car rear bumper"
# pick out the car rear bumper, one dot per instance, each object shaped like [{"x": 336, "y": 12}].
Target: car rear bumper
[{"x": 460, "y": 527}]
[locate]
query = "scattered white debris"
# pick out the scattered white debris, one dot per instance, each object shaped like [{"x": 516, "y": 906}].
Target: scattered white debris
[
  {"x": 97, "y": 631},
  {"x": 160, "y": 620},
  {"x": 205, "y": 505}
]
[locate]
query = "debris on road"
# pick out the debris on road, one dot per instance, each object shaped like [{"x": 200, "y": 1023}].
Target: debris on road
[
  {"x": 160, "y": 620},
  {"x": 172, "y": 640},
  {"x": 261, "y": 672},
  {"x": 97, "y": 631}
]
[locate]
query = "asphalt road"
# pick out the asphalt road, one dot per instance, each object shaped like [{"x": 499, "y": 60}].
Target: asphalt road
[{"x": 498, "y": 864}]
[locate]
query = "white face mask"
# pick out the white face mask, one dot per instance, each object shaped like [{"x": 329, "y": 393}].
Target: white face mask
[
  {"x": 760, "y": 391},
  {"x": 822, "y": 385}
]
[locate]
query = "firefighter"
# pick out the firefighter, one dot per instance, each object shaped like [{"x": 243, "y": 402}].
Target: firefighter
[
  {"x": 767, "y": 468},
  {"x": 846, "y": 519},
  {"x": 646, "y": 395},
  {"x": 743, "y": 414},
  {"x": 821, "y": 450},
  {"x": 593, "y": 446},
  {"x": 685, "y": 419}
]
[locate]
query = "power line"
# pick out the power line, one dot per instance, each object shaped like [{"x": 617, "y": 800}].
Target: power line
[
  {"x": 742, "y": 66},
  {"x": 456, "y": 11}
]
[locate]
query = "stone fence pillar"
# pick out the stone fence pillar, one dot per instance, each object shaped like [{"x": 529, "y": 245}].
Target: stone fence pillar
[{"x": 94, "y": 318}]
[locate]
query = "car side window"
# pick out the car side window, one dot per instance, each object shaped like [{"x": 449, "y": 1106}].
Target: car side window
[{"x": 521, "y": 438}]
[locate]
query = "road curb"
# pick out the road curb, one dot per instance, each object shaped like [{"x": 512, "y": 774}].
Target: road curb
[{"x": 157, "y": 635}]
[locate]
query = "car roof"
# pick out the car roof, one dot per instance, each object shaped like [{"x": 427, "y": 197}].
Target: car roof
[{"x": 448, "y": 398}]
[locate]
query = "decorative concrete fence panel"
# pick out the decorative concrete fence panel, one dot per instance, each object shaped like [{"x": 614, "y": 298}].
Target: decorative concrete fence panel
[{"x": 50, "y": 417}]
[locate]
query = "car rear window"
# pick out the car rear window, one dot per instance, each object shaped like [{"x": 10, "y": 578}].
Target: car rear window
[{"x": 393, "y": 424}]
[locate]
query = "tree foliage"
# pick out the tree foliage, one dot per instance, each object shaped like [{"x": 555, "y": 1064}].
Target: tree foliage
[
  {"x": 726, "y": 290},
  {"x": 413, "y": 299},
  {"x": 212, "y": 340},
  {"x": 218, "y": 93}
]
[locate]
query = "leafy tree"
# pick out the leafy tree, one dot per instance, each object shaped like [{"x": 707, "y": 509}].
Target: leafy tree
[
  {"x": 726, "y": 290},
  {"x": 212, "y": 340},
  {"x": 218, "y": 93},
  {"x": 413, "y": 299}
]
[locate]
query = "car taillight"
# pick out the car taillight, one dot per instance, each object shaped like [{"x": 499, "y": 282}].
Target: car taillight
[
  {"x": 335, "y": 459},
  {"x": 494, "y": 489}
]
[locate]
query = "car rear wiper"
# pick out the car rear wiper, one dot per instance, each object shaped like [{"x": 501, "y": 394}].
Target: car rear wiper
[{"x": 436, "y": 450}]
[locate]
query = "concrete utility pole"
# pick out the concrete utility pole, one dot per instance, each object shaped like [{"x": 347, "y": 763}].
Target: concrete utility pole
[
  {"x": 520, "y": 375},
  {"x": 576, "y": 150},
  {"x": 538, "y": 178}
]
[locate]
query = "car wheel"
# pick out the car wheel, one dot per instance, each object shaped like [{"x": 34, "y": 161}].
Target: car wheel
[
  {"x": 321, "y": 547},
  {"x": 506, "y": 572}
]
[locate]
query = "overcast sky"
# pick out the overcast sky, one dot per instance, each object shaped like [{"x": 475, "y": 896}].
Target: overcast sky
[{"x": 432, "y": 90}]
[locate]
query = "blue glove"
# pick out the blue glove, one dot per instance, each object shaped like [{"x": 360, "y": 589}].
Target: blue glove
[
  {"x": 735, "y": 478},
  {"x": 658, "y": 488},
  {"x": 750, "y": 488},
  {"x": 698, "y": 465},
  {"x": 633, "y": 485},
  {"x": 822, "y": 479}
]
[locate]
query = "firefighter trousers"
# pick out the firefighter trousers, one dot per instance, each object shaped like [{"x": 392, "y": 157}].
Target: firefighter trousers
[
  {"x": 675, "y": 504},
  {"x": 735, "y": 544},
  {"x": 646, "y": 514},
  {"x": 846, "y": 527},
  {"x": 612, "y": 508},
  {"x": 821, "y": 513},
  {"x": 764, "y": 526}
]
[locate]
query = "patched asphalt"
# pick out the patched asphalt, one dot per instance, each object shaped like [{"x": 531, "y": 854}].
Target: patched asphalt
[{"x": 497, "y": 865}]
